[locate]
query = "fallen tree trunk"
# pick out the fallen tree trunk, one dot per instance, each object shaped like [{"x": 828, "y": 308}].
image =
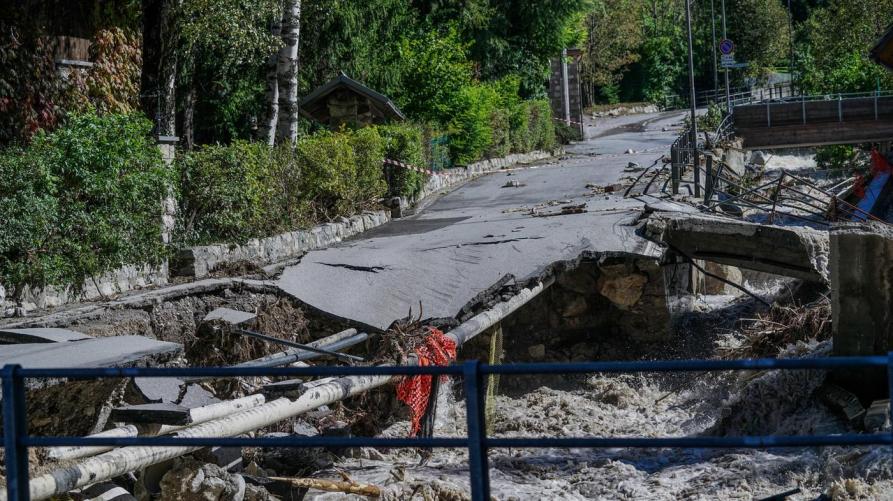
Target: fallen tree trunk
[
  {"x": 321, "y": 484},
  {"x": 198, "y": 415},
  {"x": 120, "y": 461}
]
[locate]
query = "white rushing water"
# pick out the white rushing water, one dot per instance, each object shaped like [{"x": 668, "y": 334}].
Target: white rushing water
[{"x": 777, "y": 402}]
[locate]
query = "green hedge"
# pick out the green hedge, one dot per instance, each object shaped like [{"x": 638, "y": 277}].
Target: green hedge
[
  {"x": 80, "y": 201},
  {"x": 490, "y": 120},
  {"x": 247, "y": 190},
  {"x": 406, "y": 143}
]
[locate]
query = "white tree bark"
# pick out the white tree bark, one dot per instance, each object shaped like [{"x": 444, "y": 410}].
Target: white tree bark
[
  {"x": 199, "y": 415},
  {"x": 267, "y": 128},
  {"x": 287, "y": 73}
]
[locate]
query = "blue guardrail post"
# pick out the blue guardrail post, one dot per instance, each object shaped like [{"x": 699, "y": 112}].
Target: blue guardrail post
[
  {"x": 478, "y": 466},
  {"x": 14, "y": 428},
  {"x": 890, "y": 388}
]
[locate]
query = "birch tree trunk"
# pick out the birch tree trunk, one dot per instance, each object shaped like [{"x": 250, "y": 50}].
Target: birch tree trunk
[
  {"x": 267, "y": 127},
  {"x": 287, "y": 73}
]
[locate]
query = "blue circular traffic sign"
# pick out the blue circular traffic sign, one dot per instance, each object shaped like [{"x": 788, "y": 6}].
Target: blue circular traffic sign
[{"x": 726, "y": 46}]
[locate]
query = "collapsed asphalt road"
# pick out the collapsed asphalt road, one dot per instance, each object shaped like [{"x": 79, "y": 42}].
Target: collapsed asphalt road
[{"x": 467, "y": 240}]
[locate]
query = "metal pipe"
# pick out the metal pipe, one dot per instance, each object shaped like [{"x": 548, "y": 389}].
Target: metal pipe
[
  {"x": 342, "y": 340},
  {"x": 300, "y": 346}
]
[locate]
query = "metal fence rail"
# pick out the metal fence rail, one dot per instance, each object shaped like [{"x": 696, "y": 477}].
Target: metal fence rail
[{"x": 17, "y": 441}]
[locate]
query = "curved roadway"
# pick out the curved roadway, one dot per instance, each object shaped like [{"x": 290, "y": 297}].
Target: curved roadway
[{"x": 468, "y": 239}]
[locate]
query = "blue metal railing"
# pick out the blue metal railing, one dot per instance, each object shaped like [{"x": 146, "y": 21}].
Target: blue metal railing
[{"x": 17, "y": 441}]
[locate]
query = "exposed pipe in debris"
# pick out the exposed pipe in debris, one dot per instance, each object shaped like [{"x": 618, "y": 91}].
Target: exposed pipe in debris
[
  {"x": 120, "y": 461},
  {"x": 337, "y": 341},
  {"x": 300, "y": 346},
  {"x": 198, "y": 415}
]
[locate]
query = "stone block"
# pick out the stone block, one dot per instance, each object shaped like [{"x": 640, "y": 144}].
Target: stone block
[{"x": 861, "y": 294}]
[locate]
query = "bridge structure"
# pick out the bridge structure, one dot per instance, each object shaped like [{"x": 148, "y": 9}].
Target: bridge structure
[{"x": 802, "y": 121}]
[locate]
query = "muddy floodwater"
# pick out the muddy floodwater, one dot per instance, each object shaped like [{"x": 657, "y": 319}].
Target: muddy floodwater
[{"x": 642, "y": 405}]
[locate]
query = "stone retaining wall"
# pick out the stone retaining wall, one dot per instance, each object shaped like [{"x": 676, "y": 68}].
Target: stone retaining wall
[
  {"x": 110, "y": 283},
  {"x": 200, "y": 261},
  {"x": 450, "y": 178}
]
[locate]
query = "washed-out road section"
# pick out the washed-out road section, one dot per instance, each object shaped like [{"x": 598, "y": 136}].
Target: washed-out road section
[{"x": 468, "y": 239}]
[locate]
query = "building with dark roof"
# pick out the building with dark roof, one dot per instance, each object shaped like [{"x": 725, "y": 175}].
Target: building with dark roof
[{"x": 344, "y": 101}]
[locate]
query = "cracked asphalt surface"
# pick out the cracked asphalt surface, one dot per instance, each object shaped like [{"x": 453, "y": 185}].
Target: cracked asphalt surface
[{"x": 468, "y": 239}]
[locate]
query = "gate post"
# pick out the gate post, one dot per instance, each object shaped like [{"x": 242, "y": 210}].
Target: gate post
[
  {"x": 479, "y": 468},
  {"x": 674, "y": 169},
  {"x": 15, "y": 427},
  {"x": 708, "y": 182}
]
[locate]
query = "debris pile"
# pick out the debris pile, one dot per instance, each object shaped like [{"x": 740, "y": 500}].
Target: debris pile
[{"x": 780, "y": 327}]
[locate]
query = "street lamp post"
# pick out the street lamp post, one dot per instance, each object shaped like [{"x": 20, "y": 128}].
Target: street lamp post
[
  {"x": 791, "y": 35},
  {"x": 724, "y": 37},
  {"x": 713, "y": 39},
  {"x": 694, "y": 104}
]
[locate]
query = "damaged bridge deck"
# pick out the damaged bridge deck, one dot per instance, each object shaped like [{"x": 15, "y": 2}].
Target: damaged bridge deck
[
  {"x": 797, "y": 252},
  {"x": 465, "y": 242}
]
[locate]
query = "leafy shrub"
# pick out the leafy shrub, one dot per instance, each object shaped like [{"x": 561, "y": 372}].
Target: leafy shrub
[
  {"x": 711, "y": 120},
  {"x": 81, "y": 200},
  {"x": 471, "y": 130},
  {"x": 247, "y": 190},
  {"x": 341, "y": 172},
  {"x": 565, "y": 133},
  {"x": 404, "y": 142},
  {"x": 214, "y": 207},
  {"x": 501, "y": 142},
  {"x": 434, "y": 72},
  {"x": 542, "y": 127},
  {"x": 840, "y": 156}
]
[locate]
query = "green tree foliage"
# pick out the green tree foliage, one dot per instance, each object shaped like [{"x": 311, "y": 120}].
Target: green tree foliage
[
  {"x": 434, "y": 71},
  {"x": 613, "y": 30},
  {"x": 405, "y": 143},
  {"x": 360, "y": 37},
  {"x": 221, "y": 52},
  {"x": 508, "y": 36},
  {"x": 663, "y": 49},
  {"x": 81, "y": 200},
  {"x": 760, "y": 31},
  {"x": 834, "y": 44}
]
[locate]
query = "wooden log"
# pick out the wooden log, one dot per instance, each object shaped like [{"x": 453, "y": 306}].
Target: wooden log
[
  {"x": 321, "y": 484},
  {"x": 198, "y": 415}
]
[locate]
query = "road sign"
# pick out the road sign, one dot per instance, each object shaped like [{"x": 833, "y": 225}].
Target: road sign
[
  {"x": 726, "y": 47},
  {"x": 727, "y": 60}
]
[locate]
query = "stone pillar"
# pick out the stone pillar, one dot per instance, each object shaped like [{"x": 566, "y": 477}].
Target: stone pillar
[
  {"x": 168, "y": 147},
  {"x": 861, "y": 265}
]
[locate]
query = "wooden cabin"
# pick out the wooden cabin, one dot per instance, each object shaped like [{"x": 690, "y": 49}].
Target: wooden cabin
[{"x": 344, "y": 101}]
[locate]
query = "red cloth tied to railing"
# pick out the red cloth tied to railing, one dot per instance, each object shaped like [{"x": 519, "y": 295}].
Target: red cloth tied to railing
[{"x": 415, "y": 391}]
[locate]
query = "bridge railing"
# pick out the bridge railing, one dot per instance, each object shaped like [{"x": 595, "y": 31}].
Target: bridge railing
[
  {"x": 17, "y": 441},
  {"x": 818, "y": 108}
]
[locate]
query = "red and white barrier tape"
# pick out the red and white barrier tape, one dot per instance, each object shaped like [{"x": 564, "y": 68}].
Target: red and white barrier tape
[
  {"x": 568, "y": 121},
  {"x": 402, "y": 165}
]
